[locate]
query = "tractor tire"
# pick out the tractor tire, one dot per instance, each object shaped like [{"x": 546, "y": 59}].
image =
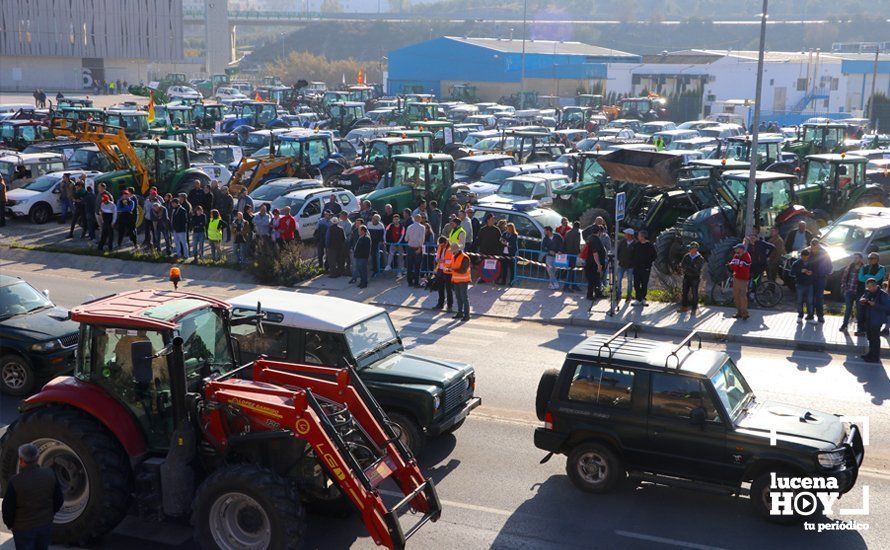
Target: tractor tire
[
  {"x": 248, "y": 506},
  {"x": 871, "y": 198},
  {"x": 670, "y": 250},
  {"x": 40, "y": 213},
  {"x": 719, "y": 257},
  {"x": 545, "y": 391},
  {"x": 16, "y": 375},
  {"x": 90, "y": 463},
  {"x": 409, "y": 432},
  {"x": 591, "y": 214}
]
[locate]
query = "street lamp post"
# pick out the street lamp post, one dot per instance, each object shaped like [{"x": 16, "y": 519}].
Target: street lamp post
[
  {"x": 522, "y": 62},
  {"x": 752, "y": 176}
]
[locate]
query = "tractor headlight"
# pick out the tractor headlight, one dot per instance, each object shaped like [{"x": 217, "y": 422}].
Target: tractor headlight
[
  {"x": 46, "y": 346},
  {"x": 831, "y": 459}
]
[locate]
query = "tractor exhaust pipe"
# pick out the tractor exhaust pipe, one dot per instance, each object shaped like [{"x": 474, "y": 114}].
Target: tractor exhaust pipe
[{"x": 178, "y": 384}]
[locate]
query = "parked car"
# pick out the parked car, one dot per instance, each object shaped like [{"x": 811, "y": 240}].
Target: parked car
[
  {"x": 228, "y": 92},
  {"x": 37, "y": 341},
  {"x": 854, "y": 233},
  {"x": 183, "y": 92},
  {"x": 529, "y": 217},
  {"x": 272, "y": 189},
  {"x": 649, "y": 128},
  {"x": 423, "y": 397},
  {"x": 680, "y": 416},
  {"x": 472, "y": 168},
  {"x": 20, "y": 169},
  {"x": 539, "y": 187},
  {"x": 39, "y": 199},
  {"x": 307, "y": 205}
]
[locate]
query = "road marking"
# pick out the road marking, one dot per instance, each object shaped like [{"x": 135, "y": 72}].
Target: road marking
[
  {"x": 663, "y": 540},
  {"x": 465, "y": 506},
  {"x": 869, "y": 472}
]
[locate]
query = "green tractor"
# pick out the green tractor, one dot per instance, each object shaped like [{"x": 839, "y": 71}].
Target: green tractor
[
  {"x": 818, "y": 138},
  {"x": 206, "y": 115},
  {"x": 346, "y": 115},
  {"x": 463, "y": 92},
  {"x": 134, "y": 123},
  {"x": 208, "y": 87},
  {"x": 422, "y": 138},
  {"x": 442, "y": 131},
  {"x": 719, "y": 227},
  {"x": 414, "y": 176},
  {"x": 91, "y": 114},
  {"x": 769, "y": 152},
  {"x": 594, "y": 101},
  {"x": 644, "y": 109},
  {"x": 376, "y": 161},
  {"x": 832, "y": 184},
  {"x": 160, "y": 88}
]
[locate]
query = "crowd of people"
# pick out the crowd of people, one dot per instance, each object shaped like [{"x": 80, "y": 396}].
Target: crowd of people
[{"x": 182, "y": 227}]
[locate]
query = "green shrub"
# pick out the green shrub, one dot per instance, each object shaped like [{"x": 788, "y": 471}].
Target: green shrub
[{"x": 282, "y": 266}]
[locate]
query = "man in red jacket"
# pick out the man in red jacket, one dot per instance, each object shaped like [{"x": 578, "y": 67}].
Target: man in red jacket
[
  {"x": 287, "y": 227},
  {"x": 740, "y": 265}
]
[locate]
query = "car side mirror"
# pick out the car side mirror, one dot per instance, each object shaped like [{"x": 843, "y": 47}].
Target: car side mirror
[
  {"x": 141, "y": 355},
  {"x": 698, "y": 416}
]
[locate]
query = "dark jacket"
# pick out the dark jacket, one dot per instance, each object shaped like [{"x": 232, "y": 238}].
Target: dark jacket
[
  {"x": 198, "y": 223},
  {"x": 643, "y": 255},
  {"x": 225, "y": 204},
  {"x": 332, "y": 207},
  {"x": 489, "y": 241},
  {"x": 552, "y": 245},
  {"x": 691, "y": 267},
  {"x": 821, "y": 264},
  {"x": 180, "y": 220},
  {"x": 362, "y": 249},
  {"x": 196, "y": 197},
  {"x": 789, "y": 240},
  {"x": 32, "y": 498},
  {"x": 572, "y": 242},
  {"x": 511, "y": 241},
  {"x": 760, "y": 252},
  {"x": 800, "y": 278},
  {"x": 876, "y": 315},
  {"x": 625, "y": 253},
  {"x": 595, "y": 247},
  {"x": 336, "y": 238}
]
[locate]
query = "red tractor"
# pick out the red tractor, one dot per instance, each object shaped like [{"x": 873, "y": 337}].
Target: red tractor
[{"x": 159, "y": 420}]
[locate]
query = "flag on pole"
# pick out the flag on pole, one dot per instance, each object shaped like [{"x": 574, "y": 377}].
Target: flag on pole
[
  {"x": 257, "y": 97},
  {"x": 343, "y": 79},
  {"x": 361, "y": 77},
  {"x": 151, "y": 106}
]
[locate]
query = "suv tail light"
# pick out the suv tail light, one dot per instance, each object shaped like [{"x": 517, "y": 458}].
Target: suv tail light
[{"x": 548, "y": 421}]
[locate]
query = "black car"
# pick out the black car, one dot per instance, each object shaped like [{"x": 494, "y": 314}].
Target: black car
[
  {"x": 676, "y": 415},
  {"x": 37, "y": 341}
]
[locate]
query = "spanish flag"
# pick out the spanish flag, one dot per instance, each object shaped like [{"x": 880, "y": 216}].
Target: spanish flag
[
  {"x": 361, "y": 76},
  {"x": 151, "y": 106},
  {"x": 257, "y": 97}
]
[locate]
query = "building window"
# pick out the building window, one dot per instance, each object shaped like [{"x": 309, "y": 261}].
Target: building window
[
  {"x": 801, "y": 84},
  {"x": 772, "y": 81},
  {"x": 834, "y": 84}
]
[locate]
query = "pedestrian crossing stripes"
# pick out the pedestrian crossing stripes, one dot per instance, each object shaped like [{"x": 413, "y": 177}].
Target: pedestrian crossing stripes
[{"x": 424, "y": 329}]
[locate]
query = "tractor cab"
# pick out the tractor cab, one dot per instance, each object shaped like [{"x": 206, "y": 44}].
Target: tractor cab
[
  {"x": 832, "y": 184},
  {"x": 163, "y": 159},
  {"x": 376, "y": 161},
  {"x": 206, "y": 115},
  {"x": 423, "y": 139},
  {"x": 257, "y": 114},
  {"x": 182, "y": 135},
  {"x": 819, "y": 138},
  {"x": 134, "y": 123},
  {"x": 594, "y": 101},
  {"x": 421, "y": 111},
  {"x": 361, "y": 94},
  {"x": 417, "y": 98},
  {"x": 19, "y": 134},
  {"x": 311, "y": 149},
  {"x": 413, "y": 177},
  {"x": 774, "y": 194},
  {"x": 92, "y": 114},
  {"x": 345, "y": 114},
  {"x": 442, "y": 130},
  {"x": 769, "y": 151},
  {"x": 181, "y": 115},
  {"x": 334, "y": 96},
  {"x": 463, "y": 92},
  {"x": 576, "y": 117},
  {"x": 74, "y": 102},
  {"x": 532, "y": 146},
  {"x": 275, "y": 93},
  {"x": 641, "y": 108}
]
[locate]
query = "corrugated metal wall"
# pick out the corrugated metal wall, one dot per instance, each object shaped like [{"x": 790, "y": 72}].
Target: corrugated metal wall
[{"x": 137, "y": 29}]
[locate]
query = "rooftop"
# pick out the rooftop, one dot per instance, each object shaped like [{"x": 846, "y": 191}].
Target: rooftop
[
  {"x": 146, "y": 309},
  {"x": 308, "y": 311},
  {"x": 648, "y": 354},
  {"x": 549, "y": 47}
]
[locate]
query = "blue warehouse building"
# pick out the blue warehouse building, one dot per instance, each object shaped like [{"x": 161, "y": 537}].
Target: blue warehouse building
[{"x": 494, "y": 66}]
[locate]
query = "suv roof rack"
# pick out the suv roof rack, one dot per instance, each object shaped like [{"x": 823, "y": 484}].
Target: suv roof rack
[
  {"x": 686, "y": 343},
  {"x": 621, "y": 332}
]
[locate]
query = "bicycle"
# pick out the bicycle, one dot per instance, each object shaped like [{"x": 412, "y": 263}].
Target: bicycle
[{"x": 766, "y": 293}]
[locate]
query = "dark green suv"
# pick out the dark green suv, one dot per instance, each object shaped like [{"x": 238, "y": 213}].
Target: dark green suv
[
  {"x": 423, "y": 397},
  {"x": 680, "y": 415}
]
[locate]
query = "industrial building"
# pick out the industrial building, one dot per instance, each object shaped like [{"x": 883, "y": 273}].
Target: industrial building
[
  {"x": 71, "y": 44},
  {"x": 494, "y": 66}
]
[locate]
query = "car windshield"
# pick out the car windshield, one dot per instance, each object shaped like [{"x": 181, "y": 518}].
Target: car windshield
[
  {"x": 205, "y": 341},
  {"x": 466, "y": 167},
  {"x": 370, "y": 336},
  {"x": 19, "y": 298},
  {"x": 268, "y": 192},
  {"x": 223, "y": 155},
  {"x": 257, "y": 139},
  {"x": 41, "y": 184},
  {"x": 498, "y": 175},
  {"x": 731, "y": 388},
  {"x": 845, "y": 234}
]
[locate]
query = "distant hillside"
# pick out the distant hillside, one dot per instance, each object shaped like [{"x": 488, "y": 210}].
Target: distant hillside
[{"x": 371, "y": 41}]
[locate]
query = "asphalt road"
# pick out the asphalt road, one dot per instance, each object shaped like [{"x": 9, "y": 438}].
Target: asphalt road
[{"x": 495, "y": 492}]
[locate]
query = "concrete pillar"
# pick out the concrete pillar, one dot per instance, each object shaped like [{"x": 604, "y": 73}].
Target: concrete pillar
[{"x": 216, "y": 36}]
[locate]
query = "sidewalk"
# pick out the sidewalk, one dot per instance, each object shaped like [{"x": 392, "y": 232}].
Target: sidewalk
[{"x": 764, "y": 328}]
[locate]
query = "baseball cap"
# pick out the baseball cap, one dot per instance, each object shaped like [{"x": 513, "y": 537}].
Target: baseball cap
[
  {"x": 629, "y": 231},
  {"x": 740, "y": 245}
]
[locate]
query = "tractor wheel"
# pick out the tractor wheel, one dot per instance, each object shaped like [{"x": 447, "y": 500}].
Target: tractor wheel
[
  {"x": 591, "y": 214},
  {"x": 719, "y": 257},
  {"x": 248, "y": 506},
  {"x": 670, "y": 249},
  {"x": 90, "y": 463},
  {"x": 871, "y": 198}
]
